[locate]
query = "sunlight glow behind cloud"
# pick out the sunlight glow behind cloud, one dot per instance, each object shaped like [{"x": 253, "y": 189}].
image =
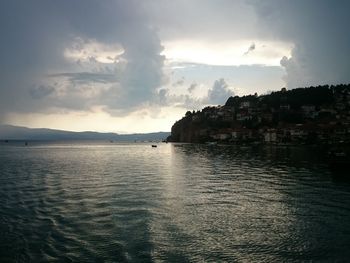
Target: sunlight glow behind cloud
[
  {"x": 142, "y": 121},
  {"x": 227, "y": 53}
]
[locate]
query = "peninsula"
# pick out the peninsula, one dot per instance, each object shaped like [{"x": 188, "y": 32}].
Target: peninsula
[{"x": 299, "y": 116}]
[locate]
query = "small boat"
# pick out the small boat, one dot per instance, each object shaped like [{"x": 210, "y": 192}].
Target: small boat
[
  {"x": 154, "y": 146},
  {"x": 211, "y": 143}
]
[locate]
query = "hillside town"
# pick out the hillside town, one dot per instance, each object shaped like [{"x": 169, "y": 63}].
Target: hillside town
[{"x": 300, "y": 116}]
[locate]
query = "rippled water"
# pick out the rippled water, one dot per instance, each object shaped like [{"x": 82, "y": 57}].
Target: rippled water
[{"x": 96, "y": 202}]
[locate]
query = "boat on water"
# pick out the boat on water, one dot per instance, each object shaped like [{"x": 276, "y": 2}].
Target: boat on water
[
  {"x": 211, "y": 143},
  {"x": 154, "y": 146}
]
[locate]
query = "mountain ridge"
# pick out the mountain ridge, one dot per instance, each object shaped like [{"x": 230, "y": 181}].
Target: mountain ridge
[{"x": 11, "y": 132}]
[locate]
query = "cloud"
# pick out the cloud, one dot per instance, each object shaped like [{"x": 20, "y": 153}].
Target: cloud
[
  {"x": 246, "y": 79},
  {"x": 185, "y": 101},
  {"x": 81, "y": 55},
  {"x": 202, "y": 19},
  {"x": 216, "y": 95},
  {"x": 179, "y": 82},
  {"x": 41, "y": 92},
  {"x": 219, "y": 93},
  {"x": 163, "y": 97},
  {"x": 192, "y": 87},
  {"x": 87, "y": 77},
  {"x": 250, "y": 49},
  {"x": 110, "y": 47},
  {"x": 143, "y": 72},
  {"x": 319, "y": 32}
]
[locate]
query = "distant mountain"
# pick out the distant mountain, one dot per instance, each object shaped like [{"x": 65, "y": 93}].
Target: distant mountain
[{"x": 9, "y": 132}]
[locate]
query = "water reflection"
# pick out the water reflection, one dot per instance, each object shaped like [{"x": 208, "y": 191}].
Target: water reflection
[
  {"x": 253, "y": 201},
  {"x": 173, "y": 203}
]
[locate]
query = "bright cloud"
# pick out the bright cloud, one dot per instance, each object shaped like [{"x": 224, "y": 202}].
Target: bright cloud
[{"x": 231, "y": 53}]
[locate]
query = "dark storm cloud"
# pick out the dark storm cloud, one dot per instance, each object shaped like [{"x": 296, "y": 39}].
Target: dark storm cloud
[
  {"x": 27, "y": 48},
  {"x": 163, "y": 96},
  {"x": 36, "y": 33},
  {"x": 87, "y": 77},
  {"x": 41, "y": 92},
  {"x": 202, "y": 19},
  {"x": 321, "y": 36}
]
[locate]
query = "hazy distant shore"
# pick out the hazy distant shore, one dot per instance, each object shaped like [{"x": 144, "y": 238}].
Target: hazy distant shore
[{"x": 13, "y": 133}]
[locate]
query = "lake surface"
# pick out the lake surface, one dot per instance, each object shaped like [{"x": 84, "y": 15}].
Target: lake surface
[{"x": 109, "y": 202}]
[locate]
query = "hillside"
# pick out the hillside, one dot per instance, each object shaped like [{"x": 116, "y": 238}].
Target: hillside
[{"x": 303, "y": 115}]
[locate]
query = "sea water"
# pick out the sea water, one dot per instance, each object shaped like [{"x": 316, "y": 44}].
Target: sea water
[{"x": 130, "y": 202}]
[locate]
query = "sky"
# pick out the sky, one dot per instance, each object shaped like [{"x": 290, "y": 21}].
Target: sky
[{"x": 131, "y": 66}]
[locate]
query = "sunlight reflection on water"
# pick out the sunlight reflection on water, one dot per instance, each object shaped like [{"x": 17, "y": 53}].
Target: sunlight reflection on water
[{"x": 176, "y": 202}]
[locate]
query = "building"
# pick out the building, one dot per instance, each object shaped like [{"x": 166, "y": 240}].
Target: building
[{"x": 270, "y": 136}]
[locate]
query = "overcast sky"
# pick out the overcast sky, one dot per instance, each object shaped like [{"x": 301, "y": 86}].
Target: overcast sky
[{"x": 138, "y": 65}]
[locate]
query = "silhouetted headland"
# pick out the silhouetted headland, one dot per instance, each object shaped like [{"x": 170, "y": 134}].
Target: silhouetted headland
[{"x": 314, "y": 115}]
